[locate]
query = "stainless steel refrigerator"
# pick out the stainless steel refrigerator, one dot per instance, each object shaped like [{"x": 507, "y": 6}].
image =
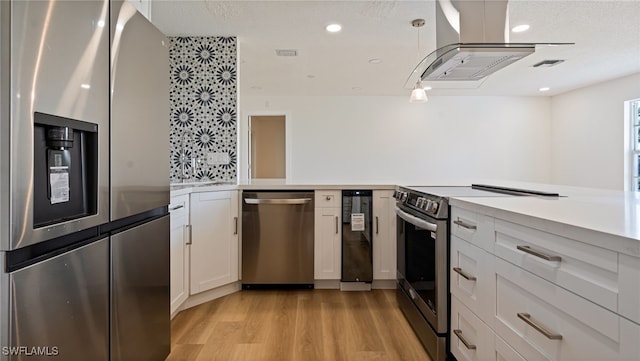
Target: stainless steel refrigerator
[{"x": 84, "y": 189}]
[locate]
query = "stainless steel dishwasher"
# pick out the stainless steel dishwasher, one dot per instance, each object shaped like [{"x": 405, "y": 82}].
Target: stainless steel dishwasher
[{"x": 277, "y": 239}]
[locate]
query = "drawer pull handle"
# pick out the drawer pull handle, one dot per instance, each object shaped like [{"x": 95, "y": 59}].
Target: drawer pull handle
[
  {"x": 176, "y": 207},
  {"x": 464, "y": 275},
  {"x": 548, "y": 334},
  {"x": 539, "y": 254},
  {"x": 464, "y": 340},
  {"x": 327, "y": 198},
  {"x": 465, "y": 224}
]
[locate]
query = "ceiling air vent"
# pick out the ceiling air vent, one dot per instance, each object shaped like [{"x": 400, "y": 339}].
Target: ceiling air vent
[
  {"x": 547, "y": 63},
  {"x": 286, "y": 52}
]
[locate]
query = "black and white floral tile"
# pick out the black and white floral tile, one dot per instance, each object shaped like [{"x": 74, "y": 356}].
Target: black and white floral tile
[{"x": 203, "y": 106}]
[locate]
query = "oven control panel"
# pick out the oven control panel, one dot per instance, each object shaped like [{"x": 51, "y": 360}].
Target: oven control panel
[{"x": 424, "y": 203}]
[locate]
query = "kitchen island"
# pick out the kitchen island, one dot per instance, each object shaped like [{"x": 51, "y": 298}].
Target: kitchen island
[{"x": 551, "y": 278}]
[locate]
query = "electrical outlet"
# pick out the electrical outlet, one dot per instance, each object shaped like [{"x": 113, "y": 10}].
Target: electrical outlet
[{"x": 217, "y": 158}]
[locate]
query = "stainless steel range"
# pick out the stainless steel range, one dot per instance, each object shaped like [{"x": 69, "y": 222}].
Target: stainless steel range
[{"x": 423, "y": 260}]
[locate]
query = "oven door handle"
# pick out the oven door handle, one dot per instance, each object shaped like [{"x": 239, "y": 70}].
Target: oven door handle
[{"x": 416, "y": 221}]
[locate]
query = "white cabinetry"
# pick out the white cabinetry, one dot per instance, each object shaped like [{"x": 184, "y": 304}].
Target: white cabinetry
[
  {"x": 214, "y": 242},
  {"x": 179, "y": 264},
  {"x": 327, "y": 239},
  {"x": 384, "y": 235},
  {"x": 542, "y": 296},
  {"x": 143, "y": 6}
]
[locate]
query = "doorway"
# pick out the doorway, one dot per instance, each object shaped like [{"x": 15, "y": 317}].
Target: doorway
[{"x": 267, "y": 147}]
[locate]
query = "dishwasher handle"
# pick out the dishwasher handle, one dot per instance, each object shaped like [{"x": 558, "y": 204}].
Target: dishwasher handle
[{"x": 278, "y": 201}]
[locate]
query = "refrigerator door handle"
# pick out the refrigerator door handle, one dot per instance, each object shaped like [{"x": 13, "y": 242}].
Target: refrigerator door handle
[{"x": 187, "y": 229}]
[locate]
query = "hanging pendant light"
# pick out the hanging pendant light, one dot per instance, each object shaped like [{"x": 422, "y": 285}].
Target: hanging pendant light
[{"x": 418, "y": 94}]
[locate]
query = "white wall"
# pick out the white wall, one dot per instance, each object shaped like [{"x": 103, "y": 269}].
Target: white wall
[
  {"x": 449, "y": 140},
  {"x": 588, "y": 134}
]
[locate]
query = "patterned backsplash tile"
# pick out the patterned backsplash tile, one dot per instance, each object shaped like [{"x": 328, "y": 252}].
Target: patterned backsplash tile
[{"x": 203, "y": 97}]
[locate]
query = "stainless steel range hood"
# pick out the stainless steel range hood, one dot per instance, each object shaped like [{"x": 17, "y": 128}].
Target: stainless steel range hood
[{"x": 472, "y": 42}]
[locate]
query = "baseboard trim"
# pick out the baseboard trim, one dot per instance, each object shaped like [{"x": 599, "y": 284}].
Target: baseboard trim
[{"x": 209, "y": 295}]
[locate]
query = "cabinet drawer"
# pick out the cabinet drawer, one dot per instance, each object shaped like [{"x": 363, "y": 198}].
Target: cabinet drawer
[
  {"x": 474, "y": 228},
  {"x": 589, "y": 271},
  {"x": 629, "y": 303},
  {"x": 471, "y": 339},
  {"x": 545, "y": 322},
  {"x": 179, "y": 206},
  {"x": 504, "y": 352},
  {"x": 328, "y": 199},
  {"x": 470, "y": 279}
]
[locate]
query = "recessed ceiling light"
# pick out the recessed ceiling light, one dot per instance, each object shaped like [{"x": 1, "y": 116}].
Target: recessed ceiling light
[
  {"x": 356, "y": 88},
  {"x": 334, "y": 28},
  {"x": 101, "y": 23},
  {"x": 311, "y": 76},
  {"x": 375, "y": 61},
  {"x": 520, "y": 28},
  {"x": 544, "y": 89},
  {"x": 85, "y": 86}
]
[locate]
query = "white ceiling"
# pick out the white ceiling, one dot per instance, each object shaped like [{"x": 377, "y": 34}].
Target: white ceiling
[{"x": 606, "y": 36}]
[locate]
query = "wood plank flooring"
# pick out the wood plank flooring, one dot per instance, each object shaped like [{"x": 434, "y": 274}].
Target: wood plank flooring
[{"x": 296, "y": 325}]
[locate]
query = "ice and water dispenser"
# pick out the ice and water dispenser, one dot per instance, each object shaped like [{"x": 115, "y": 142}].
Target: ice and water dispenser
[
  {"x": 65, "y": 153},
  {"x": 357, "y": 238}
]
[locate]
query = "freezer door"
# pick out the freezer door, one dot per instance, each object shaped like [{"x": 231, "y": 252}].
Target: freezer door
[
  {"x": 139, "y": 113},
  {"x": 140, "y": 317},
  {"x": 60, "y": 306},
  {"x": 59, "y": 65}
]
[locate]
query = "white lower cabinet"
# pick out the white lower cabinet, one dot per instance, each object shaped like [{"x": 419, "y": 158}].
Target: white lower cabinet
[
  {"x": 384, "y": 235},
  {"x": 471, "y": 339},
  {"x": 327, "y": 236},
  {"x": 541, "y": 296},
  {"x": 179, "y": 263},
  {"x": 504, "y": 352},
  {"x": 470, "y": 279},
  {"x": 214, "y": 242},
  {"x": 546, "y": 322}
]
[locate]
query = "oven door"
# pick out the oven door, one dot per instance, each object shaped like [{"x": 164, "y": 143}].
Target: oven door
[{"x": 422, "y": 264}]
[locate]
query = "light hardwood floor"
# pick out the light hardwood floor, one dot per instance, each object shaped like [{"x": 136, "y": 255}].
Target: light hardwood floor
[{"x": 296, "y": 325}]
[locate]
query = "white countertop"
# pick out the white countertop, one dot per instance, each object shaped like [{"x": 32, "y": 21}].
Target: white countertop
[
  {"x": 614, "y": 216},
  {"x": 186, "y": 188}
]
